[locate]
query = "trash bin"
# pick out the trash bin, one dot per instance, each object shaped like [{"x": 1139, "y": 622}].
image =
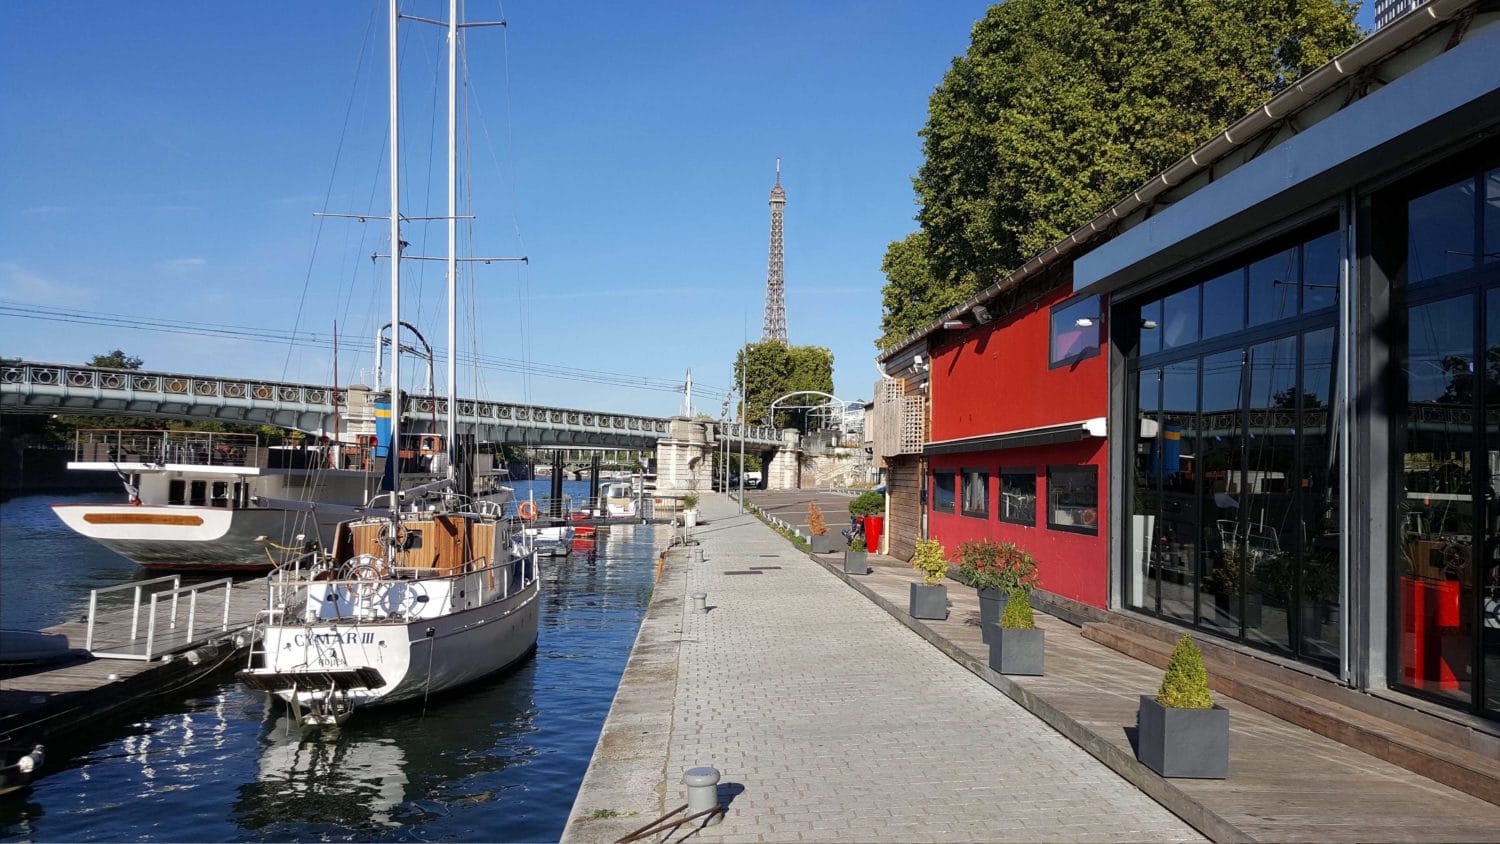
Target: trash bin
[{"x": 873, "y": 526}]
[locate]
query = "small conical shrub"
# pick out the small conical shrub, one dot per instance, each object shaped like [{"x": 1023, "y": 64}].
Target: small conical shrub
[
  {"x": 815, "y": 523},
  {"x": 1186, "y": 683},
  {"x": 1018, "y": 612}
]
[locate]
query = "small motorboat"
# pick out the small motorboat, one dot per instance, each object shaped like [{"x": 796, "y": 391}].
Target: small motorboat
[{"x": 552, "y": 541}]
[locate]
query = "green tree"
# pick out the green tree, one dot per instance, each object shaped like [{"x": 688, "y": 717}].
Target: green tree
[
  {"x": 1060, "y": 107},
  {"x": 769, "y": 370},
  {"x": 116, "y": 360}
]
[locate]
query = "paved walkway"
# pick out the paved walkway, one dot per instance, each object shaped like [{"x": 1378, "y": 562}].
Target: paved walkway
[{"x": 831, "y": 720}]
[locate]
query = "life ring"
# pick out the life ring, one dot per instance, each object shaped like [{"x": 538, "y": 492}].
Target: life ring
[
  {"x": 1090, "y": 516},
  {"x": 527, "y": 510}
]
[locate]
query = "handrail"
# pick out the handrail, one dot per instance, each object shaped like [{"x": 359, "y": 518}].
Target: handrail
[
  {"x": 135, "y": 612},
  {"x": 193, "y": 590}
]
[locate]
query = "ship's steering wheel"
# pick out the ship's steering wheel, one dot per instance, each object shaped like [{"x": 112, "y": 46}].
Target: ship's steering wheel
[{"x": 367, "y": 569}]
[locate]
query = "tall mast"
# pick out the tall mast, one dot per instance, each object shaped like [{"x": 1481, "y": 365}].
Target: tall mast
[
  {"x": 452, "y": 430},
  {"x": 394, "y": 452}
]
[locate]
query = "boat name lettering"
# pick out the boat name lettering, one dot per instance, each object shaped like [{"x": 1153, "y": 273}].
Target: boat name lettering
[{"x": 353, "y": 637}]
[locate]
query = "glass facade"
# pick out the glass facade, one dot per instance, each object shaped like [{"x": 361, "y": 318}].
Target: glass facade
[
  {"x": 1232, "y": 524},
  {"x": 1446, "y": 470}
]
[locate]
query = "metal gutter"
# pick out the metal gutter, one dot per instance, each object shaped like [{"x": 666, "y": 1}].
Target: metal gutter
[{"x": 1377, "y": 46}]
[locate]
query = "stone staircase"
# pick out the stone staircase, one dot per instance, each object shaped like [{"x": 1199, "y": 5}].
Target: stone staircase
[{"x": 1452, "y": 748}]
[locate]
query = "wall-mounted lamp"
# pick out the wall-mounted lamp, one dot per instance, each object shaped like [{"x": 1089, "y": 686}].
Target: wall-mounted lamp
[
  {"x": 1148, "y": 324},
  {"x": 982, "y": 314},
  {"x": 955, "y": 324}
]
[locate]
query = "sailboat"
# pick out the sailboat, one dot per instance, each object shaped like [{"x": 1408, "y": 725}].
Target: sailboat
[{"x": 435, "y": 592}]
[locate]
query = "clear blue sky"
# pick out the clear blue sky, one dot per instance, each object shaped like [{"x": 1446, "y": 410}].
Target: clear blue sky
[{"x": 163, "y": 161}]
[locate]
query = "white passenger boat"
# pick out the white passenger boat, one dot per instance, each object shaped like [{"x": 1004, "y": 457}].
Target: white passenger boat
[{"x": 208, "y": 501}]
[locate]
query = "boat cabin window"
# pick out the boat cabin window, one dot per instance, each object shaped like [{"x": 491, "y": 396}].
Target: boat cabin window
[
  {"x": 198, "y": 493},
  {"x": 177, "y": 492},
  {"x": 221, "y": 494}
]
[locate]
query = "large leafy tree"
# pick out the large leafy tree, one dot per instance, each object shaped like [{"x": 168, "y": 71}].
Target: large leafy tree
[
  {"x": 116, "y": 360},
  {"x": 1060, "y": 107},
  {"x": 769, "y": 370}
]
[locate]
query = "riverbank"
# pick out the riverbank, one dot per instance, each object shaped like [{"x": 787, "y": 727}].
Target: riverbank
[{"x": 829, "y": 719}]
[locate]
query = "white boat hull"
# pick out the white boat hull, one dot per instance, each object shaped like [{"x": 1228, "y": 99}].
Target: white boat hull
[{"x": 177, "y": 537}]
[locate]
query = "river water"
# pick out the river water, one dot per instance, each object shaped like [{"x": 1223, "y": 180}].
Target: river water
[{"x": 497, "y": 761}]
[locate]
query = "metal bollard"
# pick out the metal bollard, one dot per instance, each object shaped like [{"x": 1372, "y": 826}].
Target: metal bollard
[
  {"x": 700, "y": 602},
  {"x": 703, "y": 792},
  {"x": 697, "y": 555}
]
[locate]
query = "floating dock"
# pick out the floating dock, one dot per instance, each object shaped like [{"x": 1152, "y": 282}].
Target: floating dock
[{"x": 141, "y": 640}]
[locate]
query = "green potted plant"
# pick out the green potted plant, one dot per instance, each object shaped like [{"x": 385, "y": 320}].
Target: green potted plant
[
  {"x": 690, "y": 509},
  {"x": 1181, "y": 732},
  {"x": 854, "y": 558},
  {"x": 995, "y": 570},
  {"x": 1017, "y": 645},
  {"x": 929, "y": 599},
  {"x": 817, "y": 530}
]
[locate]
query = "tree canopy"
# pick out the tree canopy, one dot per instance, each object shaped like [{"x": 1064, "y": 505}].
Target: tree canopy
[
  {"x": 1061, "y": 107},
  {"x": 116, "y": 360},
  {"x": 769, "y": 370}
]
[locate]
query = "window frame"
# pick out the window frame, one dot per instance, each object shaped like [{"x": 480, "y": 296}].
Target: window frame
[
  {"x": 1019, "y": 471},
  {"x": 1077, "y": 469},
  {"x": 937, "y": 477},
  {"x": 1053, "y": 362},
  {"x": 963, "y": 476}
]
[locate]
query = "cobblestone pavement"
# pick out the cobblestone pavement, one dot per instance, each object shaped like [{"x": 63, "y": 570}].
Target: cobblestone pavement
[{"x": 831, "y": 721}]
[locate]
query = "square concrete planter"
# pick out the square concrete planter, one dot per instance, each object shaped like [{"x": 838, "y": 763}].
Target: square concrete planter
[
  {"x": 1017, "y": 651},
  {"x": 1188, "y": 743},
  {"x": 929, "y": 601},
  {"x": 825, "y": 544},
  {"x": 991, "y": 605},
  {"x": 854, "y": 562}
]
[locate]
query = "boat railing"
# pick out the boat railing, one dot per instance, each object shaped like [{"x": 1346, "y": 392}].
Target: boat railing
[
  {"x": 163, "y": 633},
  {"x": 365, "y": 599},
  {"x": 543, "y": 509},
  {"x": 199, "y": 448}
]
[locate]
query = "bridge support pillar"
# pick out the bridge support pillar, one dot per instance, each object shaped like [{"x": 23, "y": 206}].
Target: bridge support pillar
[
  {"x": 784, "y": 471},
  {"x": 684, "y": 460}
]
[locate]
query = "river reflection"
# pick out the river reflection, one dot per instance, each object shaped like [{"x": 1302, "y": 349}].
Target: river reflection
[{"x": 500, "y": 760}]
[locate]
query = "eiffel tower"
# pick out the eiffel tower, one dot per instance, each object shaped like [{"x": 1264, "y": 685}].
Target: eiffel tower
[{"x": 775, "y": 324}]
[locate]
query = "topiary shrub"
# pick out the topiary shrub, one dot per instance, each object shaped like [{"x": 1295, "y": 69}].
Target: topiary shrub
[
  {"x": 867, "y": 504},
  {"x": 857, "y": 544},
  {"x": 1186, "y": 683},
  {"x": 930, "y": 561},
  {"x": 815, "y": 524},
  {"x": 1018, "y": 611}
]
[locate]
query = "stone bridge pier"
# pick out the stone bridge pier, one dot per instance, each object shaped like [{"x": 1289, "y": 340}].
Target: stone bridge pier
[{"x": 685, "y": 457}]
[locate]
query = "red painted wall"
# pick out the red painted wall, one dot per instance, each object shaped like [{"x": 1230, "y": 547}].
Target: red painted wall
[
  {"x": 996, "y": 378},
  {"x": 1074, "y": 565}
]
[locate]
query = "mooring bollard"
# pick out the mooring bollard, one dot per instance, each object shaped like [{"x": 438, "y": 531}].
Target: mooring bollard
[
  {"x": 700, "y": 602},
  {"x": 697, "y": 555},
  {"x": 703, "y": 792}
]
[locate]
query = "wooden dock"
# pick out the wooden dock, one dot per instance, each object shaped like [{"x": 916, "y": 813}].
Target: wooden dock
[{"x": 51, "y": 703}]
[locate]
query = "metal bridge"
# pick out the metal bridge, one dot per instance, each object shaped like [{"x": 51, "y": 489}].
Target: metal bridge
[{"x": 31, "y": 387}]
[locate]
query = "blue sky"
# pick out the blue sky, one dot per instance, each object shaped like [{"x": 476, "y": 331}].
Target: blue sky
[{"x": 164, "y": 160}]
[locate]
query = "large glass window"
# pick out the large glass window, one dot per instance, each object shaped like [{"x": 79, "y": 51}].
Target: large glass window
[
  {"x": 1440, "y": 232},
  {"x": 1073, "y": 498},
  {"x": 976, "y": 493},
  {"x": 1018, "y": 496},
  {"x": 943, "y": 496},
  {"x": 1233, "y": 521},
  {"x": 1075, "y": 331}
]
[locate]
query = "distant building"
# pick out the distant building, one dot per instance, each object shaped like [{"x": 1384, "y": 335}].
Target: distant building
[{"x": 1388, "y": 10}]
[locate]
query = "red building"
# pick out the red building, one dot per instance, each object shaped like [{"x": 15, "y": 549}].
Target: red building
[{"x": 1017, "y": 449}]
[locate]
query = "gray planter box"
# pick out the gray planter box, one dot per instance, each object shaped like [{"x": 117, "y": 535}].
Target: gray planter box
[
  {"x": 825, "y": 544},
  {"x": 1191, "y": 743},
  {"x": 1017, "y": 651},
  {"x": 991, "y": 604},
  {"x": 929, "y": 601},
  {"x": 854, "y": 562}
]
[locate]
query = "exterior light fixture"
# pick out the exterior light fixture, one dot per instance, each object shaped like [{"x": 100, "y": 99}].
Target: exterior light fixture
[
  {"x": 1084, "y": 322},
  {"x": 1148, "y": 324},
  {"x": 982, "y": 314},
  {"x": 955, "y": 324}
]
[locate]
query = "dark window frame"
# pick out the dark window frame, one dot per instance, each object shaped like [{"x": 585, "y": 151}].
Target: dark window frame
[
  {"x": 1054, "y": 470},
  {"x": 1017, "y": 471},
  {"x": 937, "y": 478},
  {"x": 1053, "y": 362},
  {"x": 963, "y": 475}
]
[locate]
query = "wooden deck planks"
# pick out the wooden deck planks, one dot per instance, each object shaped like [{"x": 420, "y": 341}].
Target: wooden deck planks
[{"x": 1286, "y": 783}]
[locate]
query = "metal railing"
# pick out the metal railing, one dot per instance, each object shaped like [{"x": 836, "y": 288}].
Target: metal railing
[
  {"x": 172, "y": 639},
  {"x": 197, "y": 448}
]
